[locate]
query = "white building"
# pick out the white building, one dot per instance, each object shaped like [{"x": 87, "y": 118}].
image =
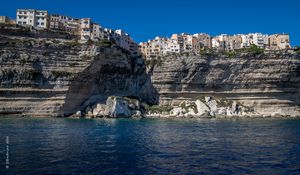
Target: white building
[
  {"x": 31, "y": 17},
  {"x": 245, "y": 41},
  {"x": 124, "y": 40},
  {"x": 218, "y": 42},
  {"x": 172, "y": 46},
  {"x": 258, "y": 39}
]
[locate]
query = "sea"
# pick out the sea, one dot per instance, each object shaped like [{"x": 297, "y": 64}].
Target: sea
[{"x": 149, "y": 146}]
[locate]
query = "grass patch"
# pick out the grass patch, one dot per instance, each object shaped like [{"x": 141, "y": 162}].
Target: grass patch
[{"x": 159, "y": 109}]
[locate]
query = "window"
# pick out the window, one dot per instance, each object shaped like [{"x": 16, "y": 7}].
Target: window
[
  {"x": 42, "y": 23},
  {"x": 24, "y": 22}
]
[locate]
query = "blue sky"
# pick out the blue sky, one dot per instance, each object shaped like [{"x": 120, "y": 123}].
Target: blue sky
[{"x": 144, "y": 20}]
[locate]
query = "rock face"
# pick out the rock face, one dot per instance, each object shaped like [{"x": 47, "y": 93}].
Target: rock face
[
  {"x": 115, "y": 107},
  {"x": 269, "y": 83},
  {"x": 58, "y": 77},
  {"x": 204, "y": 108}
]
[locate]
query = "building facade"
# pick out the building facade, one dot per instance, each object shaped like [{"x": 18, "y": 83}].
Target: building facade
[
  {"x": 203, "y": 39},
  {"x": 31, "y": 17},
  {"x": 85, "y": 29},
  {"x": 64, "y": 23},
  {"x": 279, "y": 42}
]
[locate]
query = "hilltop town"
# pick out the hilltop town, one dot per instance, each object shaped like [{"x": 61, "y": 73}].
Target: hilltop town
[
  {"x": 179, "y": 43},
  {"x": 56, "y": 65},
  {"x": 86, "y": 29}
]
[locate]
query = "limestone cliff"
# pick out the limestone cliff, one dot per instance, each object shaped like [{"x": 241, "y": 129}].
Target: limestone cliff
[
  {"x": 49, "y": 75},
  {"x": 58, "y": 76},
  {"x": 267, "y": 83}
]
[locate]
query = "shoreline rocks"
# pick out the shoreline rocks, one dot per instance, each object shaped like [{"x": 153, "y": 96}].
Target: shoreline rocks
[
  {"x": 205, "y": 108},
  {"x": 115, "y": 107}
]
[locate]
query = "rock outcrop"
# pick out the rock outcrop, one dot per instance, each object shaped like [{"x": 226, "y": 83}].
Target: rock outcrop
[
  {"x": 115, "y": 107},
  {"x": 208, "y": 107},
  {"x": 268, "y": 83},
  {"x": 58, "y": 77}
]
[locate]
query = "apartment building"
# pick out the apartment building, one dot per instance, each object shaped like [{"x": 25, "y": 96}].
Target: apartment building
[
  {"x": 245, "y": 41},
  {"x": 279, "y": 42},
  {"x": 85, "y": 29},
  {"x": 64, "y": 23},
  {"x": 203, "y": 39},
  {"x": 31, "y": 17},
  {"x": 187, "y": 42},
  {"x": 171, "y": 47},
  {"x": 258, "y": 39},
  {"x": 233, "y": 42},
  {"x": 97, "y": 32},
  {"x": 156, "y": 47},
  {"x": 219, "y": 42}
]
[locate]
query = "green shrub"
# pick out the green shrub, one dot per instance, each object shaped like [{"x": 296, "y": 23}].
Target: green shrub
[
  {"x": 231, "y": 54},
  {"x": 159, "y": 109},
  {"x": 207, "y": 52},
  {"x": 255, "y": 50}
]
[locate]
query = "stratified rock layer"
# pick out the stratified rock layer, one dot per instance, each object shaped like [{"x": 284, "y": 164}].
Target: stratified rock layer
[
  {"x": 57, "y": 77},
  {"x": 269, "y": 83}
]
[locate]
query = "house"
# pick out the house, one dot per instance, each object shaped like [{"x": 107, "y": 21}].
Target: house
[{"x": 31, "y": 17}]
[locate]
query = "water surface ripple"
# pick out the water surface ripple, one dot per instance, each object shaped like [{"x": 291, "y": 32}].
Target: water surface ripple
[{"x": 147, "y": 146}]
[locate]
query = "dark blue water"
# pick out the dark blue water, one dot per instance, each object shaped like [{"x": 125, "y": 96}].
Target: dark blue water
[{"x": 124, "y": 146}]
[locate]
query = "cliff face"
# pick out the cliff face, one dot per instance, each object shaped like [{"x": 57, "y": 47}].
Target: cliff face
[
  {"x": 57, "y": 77},
  {"x": 51, "y": 77},
  {"x": 269, "y": 84}
]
